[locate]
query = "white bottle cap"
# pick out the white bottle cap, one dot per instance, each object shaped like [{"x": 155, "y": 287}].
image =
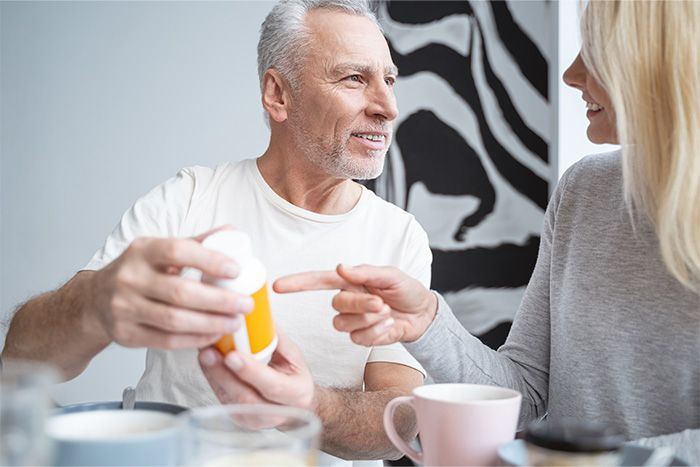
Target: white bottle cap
[
  {"x": 233, "y": 243},
  {"x": 237, "y": 245}
]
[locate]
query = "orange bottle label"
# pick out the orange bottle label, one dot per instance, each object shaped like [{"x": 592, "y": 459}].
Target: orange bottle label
[{"x": 261, "y": 329}]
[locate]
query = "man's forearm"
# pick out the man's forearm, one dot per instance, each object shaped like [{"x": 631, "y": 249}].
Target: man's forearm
[
  {"x": 353, "y": 426},
  {"x": 52, "y": 328}
]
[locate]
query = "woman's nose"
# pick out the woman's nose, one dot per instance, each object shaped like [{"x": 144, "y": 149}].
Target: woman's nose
[{"x": 575, "y": 75}]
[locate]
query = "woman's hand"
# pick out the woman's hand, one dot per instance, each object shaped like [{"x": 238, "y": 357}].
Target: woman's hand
[{"x": 377, "y": 305}]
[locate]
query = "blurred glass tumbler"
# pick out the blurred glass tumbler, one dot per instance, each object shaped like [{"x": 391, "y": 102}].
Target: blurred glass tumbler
[
  {"x": 251, "y": 435},
  {"x": 25, "y": 403},
  {"x": 572, "y": 442},
  {"x": 258, "y": 336},
  {"x": 459, "y": 424}
]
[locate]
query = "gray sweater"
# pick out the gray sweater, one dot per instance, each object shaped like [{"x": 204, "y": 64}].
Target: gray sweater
[{"x": 604, "y": 332}]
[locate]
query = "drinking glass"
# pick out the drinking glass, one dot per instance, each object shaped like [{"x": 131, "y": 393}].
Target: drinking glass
[
  {"x": 25, "y": 403},
  {"x": 254, "y": 434}
]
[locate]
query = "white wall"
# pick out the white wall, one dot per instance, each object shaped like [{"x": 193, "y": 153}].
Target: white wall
[{"x": 100, "y": 102}]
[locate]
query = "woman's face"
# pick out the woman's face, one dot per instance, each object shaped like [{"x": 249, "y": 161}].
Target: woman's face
[{"x": 601, "y": 115}]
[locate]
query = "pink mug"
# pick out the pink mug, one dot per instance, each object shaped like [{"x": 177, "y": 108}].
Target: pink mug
[{"x": 459, "y": 424}]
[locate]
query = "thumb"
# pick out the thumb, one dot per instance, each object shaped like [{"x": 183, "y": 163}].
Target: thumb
[
  {"x": 287, "y": 357},
  {"x": 250, "y": 370},
  {"x": 376, "y": 277}
]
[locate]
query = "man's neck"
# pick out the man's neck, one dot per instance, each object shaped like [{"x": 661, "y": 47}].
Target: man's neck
[{"x": 306, "y": 186}]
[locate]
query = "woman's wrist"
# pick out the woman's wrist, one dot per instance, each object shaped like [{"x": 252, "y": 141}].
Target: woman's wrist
[{"x": 427, "y": 314}]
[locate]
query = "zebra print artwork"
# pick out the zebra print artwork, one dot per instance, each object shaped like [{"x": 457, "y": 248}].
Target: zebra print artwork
[{"x": 470, "y": 155}]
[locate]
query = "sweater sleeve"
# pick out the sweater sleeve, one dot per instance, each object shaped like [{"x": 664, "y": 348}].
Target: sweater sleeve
[{"x": 450, "y": 354}]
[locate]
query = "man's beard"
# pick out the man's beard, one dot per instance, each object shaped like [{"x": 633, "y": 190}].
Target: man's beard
[{"x": 337, "y": 161}]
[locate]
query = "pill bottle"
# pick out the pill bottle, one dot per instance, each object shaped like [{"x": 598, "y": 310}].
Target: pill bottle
[{"x": 257, "y": 336}]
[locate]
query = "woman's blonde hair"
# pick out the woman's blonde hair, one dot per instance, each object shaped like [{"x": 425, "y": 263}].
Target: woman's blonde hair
[{"x": 645, "y": 54}]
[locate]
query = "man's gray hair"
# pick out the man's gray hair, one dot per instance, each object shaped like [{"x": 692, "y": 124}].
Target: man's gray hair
[{"x": 284, "y": 37}]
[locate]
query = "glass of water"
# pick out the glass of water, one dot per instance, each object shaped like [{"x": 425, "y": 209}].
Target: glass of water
[
  {"x": 25, "y": 403},
  {"x": 252, "y": 435}
]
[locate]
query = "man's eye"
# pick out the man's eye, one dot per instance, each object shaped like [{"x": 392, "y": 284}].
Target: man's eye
[
  {"x": 390, "y": 81},
  {"x": 356, "y": 78}
]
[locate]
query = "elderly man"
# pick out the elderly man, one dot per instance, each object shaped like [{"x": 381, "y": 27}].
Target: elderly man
[{"x": 327, "y": 78}]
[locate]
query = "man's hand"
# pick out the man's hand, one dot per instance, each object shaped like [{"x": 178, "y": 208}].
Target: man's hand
[
  {"x": 376, "y": 305},
  {"x": 352, "y": 420},
  {"x": 139, "y": 300},
  {"x": 240, "y": 379}
]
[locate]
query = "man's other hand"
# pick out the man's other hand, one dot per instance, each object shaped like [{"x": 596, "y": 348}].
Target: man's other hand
[{"x": 241, "y": 379}]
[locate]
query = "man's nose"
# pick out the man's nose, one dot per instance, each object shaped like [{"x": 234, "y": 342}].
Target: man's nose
[{"x": 382, "y": 102}]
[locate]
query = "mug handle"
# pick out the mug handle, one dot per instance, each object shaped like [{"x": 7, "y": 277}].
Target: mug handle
[{"x": 390, "y": 429}]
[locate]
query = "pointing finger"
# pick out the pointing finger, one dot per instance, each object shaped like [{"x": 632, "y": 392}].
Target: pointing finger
[
  {"x": 378, "y": 277},
  {"x": 306, "y": 281}
]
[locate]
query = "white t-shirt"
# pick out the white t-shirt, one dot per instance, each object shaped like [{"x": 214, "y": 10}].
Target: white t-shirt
[{"x": 287, "y": 239}]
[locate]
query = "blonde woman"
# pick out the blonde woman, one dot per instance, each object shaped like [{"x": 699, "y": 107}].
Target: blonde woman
[{"x": 609, "y": 327}]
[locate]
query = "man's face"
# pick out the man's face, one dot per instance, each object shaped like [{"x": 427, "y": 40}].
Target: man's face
[{"x": 344, "y": 105}]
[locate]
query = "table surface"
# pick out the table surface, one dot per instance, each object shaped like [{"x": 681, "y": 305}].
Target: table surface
[{"x": 686, "y": 444}]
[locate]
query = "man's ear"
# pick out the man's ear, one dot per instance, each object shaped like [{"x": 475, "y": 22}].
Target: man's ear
[{"x": 276, "y": 97}]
